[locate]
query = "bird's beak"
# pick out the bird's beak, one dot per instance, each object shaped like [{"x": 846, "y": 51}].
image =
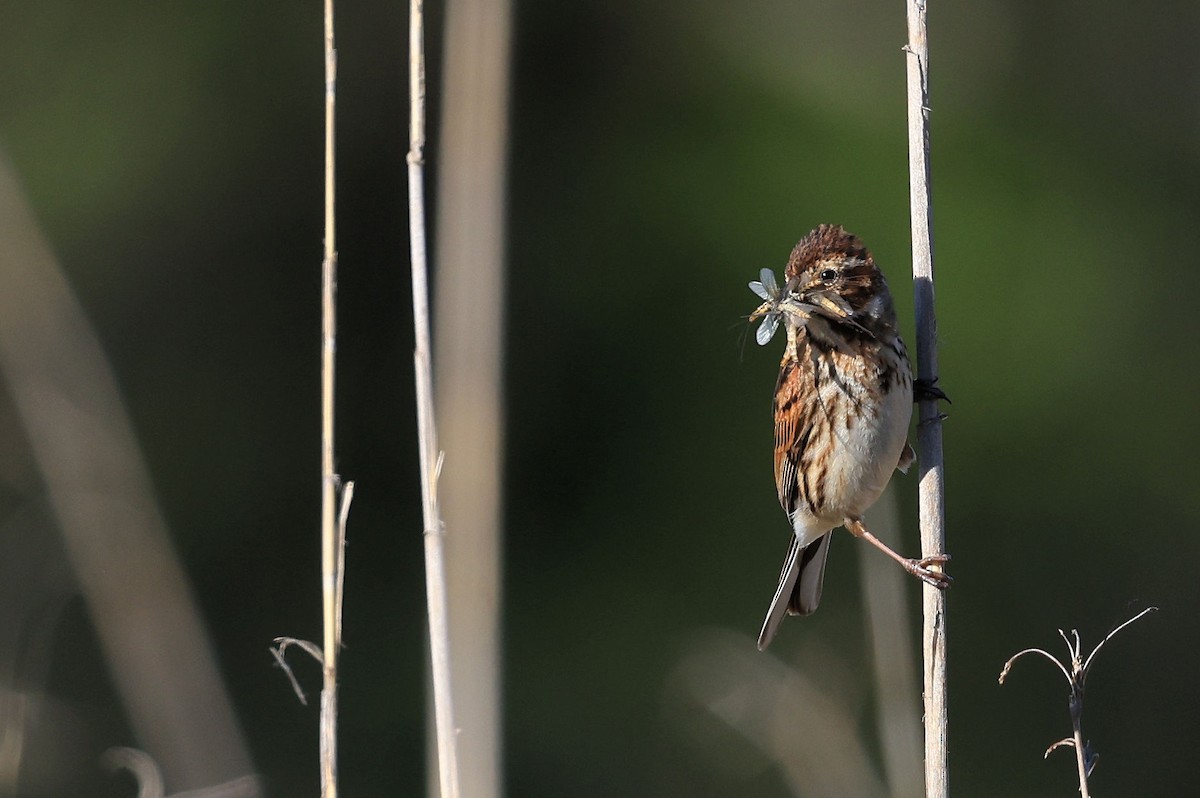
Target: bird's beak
[{"x": 828, "y": 303}]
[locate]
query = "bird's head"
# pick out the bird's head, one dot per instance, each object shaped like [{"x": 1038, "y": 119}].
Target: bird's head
[{"x": 833, "y": 272}]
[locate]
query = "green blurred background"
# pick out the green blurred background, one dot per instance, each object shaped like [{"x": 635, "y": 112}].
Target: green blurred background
[{"x": 661, "y": 154}]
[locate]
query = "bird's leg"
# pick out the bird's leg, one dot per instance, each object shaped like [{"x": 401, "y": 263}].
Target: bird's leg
[{"x": 928, "y": 570}]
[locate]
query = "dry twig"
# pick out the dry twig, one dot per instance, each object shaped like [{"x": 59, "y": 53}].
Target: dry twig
[
  {"x": 1076, "y": 673},
  {"x": 144, "y": 770}
]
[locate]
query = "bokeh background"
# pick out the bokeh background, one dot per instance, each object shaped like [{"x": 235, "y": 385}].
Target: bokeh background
[{"x": 661, "y": 154}]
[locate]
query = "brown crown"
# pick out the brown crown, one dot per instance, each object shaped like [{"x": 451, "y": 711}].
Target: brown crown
[{"x": 823, "y": 243}]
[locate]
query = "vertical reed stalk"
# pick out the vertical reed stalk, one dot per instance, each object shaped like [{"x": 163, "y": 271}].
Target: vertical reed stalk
[
  {"x": 929, "y": 428},
  {"x": 435, "y": 571},
  {"x": 468, "y": 375},
  {"x": 332, "y": 532},
  {"x": 114, "y": 536}
]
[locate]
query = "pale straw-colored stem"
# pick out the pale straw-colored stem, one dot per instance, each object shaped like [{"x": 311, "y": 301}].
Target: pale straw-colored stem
[
  {"x": 468, "y": 373},
  {"x": 435, "y": 569},
  {"x": 332, "y": 532},
  {"x": 929, "y": 428},
  {"x": 149, "y": 628},
  {"x": 1080, "y": 753},
  {"x": 898, "y": 713}
]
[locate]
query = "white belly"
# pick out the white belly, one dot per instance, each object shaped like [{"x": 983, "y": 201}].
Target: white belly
[
  {"x": 871, "y": 449},
  {"x": 867, "y": 444}
]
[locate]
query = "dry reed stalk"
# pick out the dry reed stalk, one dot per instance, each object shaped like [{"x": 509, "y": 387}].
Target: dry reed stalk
[
  {"x": 892, "y": 660},
  {"x": 435, "y": 569},
  {"x": 468, "y": 378},
  {"x": 158, "y": 651},
  {"x": 335, "y": 502},
  {"x": 929, "y": 427}
]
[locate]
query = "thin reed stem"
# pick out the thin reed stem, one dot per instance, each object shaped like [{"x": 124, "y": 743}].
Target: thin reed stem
[
  {"x": 929, "y": 428},
  {"x": 333, "y": 528},
  {"x": 435, "y": 569}
]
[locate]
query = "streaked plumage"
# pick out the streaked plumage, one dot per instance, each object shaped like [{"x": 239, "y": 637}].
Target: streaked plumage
[{"x": 842, "y": 406}]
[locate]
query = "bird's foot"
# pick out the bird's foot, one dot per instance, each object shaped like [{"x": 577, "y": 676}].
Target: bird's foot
[
  {"x": 926, "y": 389},
  {"x": 929, "y": 570}
]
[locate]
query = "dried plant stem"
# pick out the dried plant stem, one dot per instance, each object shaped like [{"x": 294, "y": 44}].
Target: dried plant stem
[
  {"x": 1080, "y": 754},
  {"x": 1076, "y": 669},
  {"x": 897, "y": 710},
  {"x": 929, "y": 428},
  {"x": 468, "y": 374},
  {"x": 435, "y": 569},
  {"x": 333, "y": 528},
  {"x": 158, "y": 651}
]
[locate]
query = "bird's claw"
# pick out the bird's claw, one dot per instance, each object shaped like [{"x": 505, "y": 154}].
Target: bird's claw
[
  {"x": 929, "y": 570},
  {"x": 927, "y": 390}
]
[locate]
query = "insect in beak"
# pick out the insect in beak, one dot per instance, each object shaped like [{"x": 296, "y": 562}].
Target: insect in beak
[
  {"x": 767, "y": 289},
  {"x": 778, "y": 303}
]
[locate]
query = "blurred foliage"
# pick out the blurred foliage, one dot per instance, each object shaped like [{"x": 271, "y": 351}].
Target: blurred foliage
[{"x": 661, "y": 154}]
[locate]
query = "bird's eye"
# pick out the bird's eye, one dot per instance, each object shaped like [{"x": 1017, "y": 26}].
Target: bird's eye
[{"x": 829, "y": 275}]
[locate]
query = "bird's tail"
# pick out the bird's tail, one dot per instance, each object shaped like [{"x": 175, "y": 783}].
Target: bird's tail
[{"x": 800, "y": 583}]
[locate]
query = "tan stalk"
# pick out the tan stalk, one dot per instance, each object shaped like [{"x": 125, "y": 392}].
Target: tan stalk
[
  {"x": 929, "y": 427},
  {"x": 333, "y": 507},
  {"x": 158, "y": 651},
  {"x": 435, "y": 569},
  {"x": 469, "y": 236}
]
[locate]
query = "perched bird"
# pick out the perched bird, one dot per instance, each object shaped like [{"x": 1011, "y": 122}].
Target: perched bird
[{"x": 842, "y": 406}]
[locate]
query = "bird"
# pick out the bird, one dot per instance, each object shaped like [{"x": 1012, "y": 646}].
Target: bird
[{"x": 842, "y": 405}]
